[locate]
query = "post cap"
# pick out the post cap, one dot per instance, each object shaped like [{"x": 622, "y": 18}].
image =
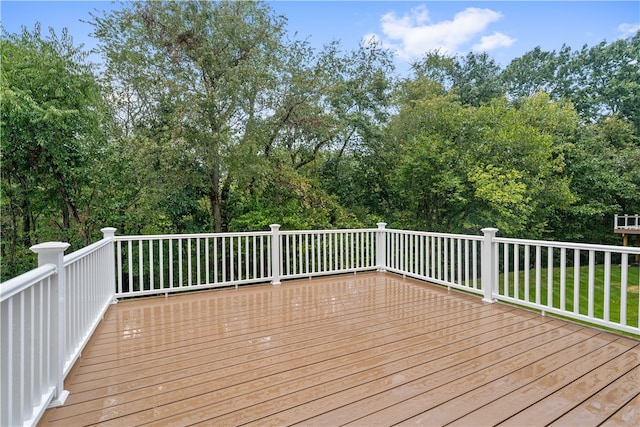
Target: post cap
[
  {"x": 489, "y": 230},
  {"x": 108, "y": 231},
  {"x": 50, "y": 247}
]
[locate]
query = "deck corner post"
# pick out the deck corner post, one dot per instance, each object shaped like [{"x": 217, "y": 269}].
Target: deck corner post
[
  {"x": 381, "y": 247},
  {"x": 275, "y": 254},
  {"x": 53, "y": 253},
  {"x": 109, "y": 233},
  {"x": 488, "y": 262}
]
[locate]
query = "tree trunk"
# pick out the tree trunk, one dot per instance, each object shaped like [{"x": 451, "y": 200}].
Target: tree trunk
[
  {"x": 26, "y": 224},
  {"x": 66, "y": 222},
  {"x": 214, "y": 198}
]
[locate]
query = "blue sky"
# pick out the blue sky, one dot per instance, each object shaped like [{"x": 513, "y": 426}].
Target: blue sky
[{"x": 505, "y": 29}]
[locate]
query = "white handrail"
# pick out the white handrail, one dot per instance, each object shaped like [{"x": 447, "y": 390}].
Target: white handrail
[
  {"x": 585, "y": 282},
  {"x": 191, "y": 235},
  {"x": 570, "y": 245},
  {"x": 90, "y": 289},
  {"x": 86, "y": 251},
  {"x": 452, "y": 260},
  {"x": 48, "y": 316},
  {"x": 164, "y": 264},
  {"x": 31, "y": 339},
  {"x": 27, "y": 314},
  {"x": 151, "y": 265},
  {"x": 18, "y": 284}
]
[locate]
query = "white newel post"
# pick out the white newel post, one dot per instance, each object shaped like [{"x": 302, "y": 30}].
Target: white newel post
[
  {"x": 488, "y": 279},
  {"x": 110, "y": 233},
  {"x": 275, "y": 253},
  {"x": 53, "y": 253},
  {"x": 381, "y": 247}
]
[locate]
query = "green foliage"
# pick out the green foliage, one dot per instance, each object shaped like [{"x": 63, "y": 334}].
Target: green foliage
[
  {"x": 474, "y": 78},
  {"x": 539, "y": 71},
  {"x": 603, "y": 167},
  {"x": 221, "y": 81},
  {"x": 427, "y": 173},
  {"x": 198, "y": 77},
  {"x": 54, "y": 129},
  {"x": 460, "y": 168},
  {"x": 528, "y": 141},
  {"x": 505, "y": 196},
  {"x": 209, "y": 117},
  {"x": 601, "y": 81},
  {"x": 285, "y": 197},
  {"x": 609, "y": 80}
]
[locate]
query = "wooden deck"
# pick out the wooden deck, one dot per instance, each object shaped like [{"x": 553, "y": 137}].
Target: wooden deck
[{"x": 367, "y": 349}]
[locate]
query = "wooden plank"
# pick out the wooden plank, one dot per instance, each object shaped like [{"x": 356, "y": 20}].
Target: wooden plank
[
  {"x": 328, "y": 407},
  {"x": 285, "y": 367},
  {"x": 367, "y": 348},
  {"x": 628, "y": 415},
  {"x": 180, "y": 386},
  {"x": 599, "y": 406},
  {"x": 342, "y": 389},
  {"x": 454, "y": 381},
  {"x": 554, "y": 393}
]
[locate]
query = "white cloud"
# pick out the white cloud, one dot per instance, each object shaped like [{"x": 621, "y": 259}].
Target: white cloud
[
  {"x": 627, "y": 30},
  {"x": 494, "y": 41},
  {"x": 412, "y": 35}
]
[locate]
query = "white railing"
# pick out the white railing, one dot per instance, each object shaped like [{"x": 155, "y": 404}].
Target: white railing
[
  {"x": 316, "y": 253},
  {"x": 147, "y": 265},
  {"x": 452, "y": 260},
  {"x": 89, "y": 290},
  {"x": 591, "y": 283},
  {"x": 49, "y": 314},
  {"x": 626, "y": 222},
  {"x": 28, "y": 328}
]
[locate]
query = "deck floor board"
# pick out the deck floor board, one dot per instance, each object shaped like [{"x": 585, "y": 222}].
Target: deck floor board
[{"x": 365, "y": 349}]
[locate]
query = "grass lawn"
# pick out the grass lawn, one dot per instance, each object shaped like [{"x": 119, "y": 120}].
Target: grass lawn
[{"x": 581, "y": 294}]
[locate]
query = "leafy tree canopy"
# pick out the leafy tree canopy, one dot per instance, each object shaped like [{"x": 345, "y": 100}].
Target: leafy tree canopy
[{"x": 208, "y": 116}]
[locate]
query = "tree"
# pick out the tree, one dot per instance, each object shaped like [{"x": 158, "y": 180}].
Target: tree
[
  {"x": 458, "y": 168},
  {"x": 474, "y": 78},
  {"x": 603, "y": 167},
  {"x": 609, "y": 81},
  {"x": 327, "y": 108},
  {"x": 213, "y": 63},
  {"x": 539, "y": 71},
  {"x": 244, "y": 101},
  {"x": 426, "y": 158},
  {"x": 54, "y": 131},
  {"x": 520, "y": 150},
  {"x": 600, "y": 81}
]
